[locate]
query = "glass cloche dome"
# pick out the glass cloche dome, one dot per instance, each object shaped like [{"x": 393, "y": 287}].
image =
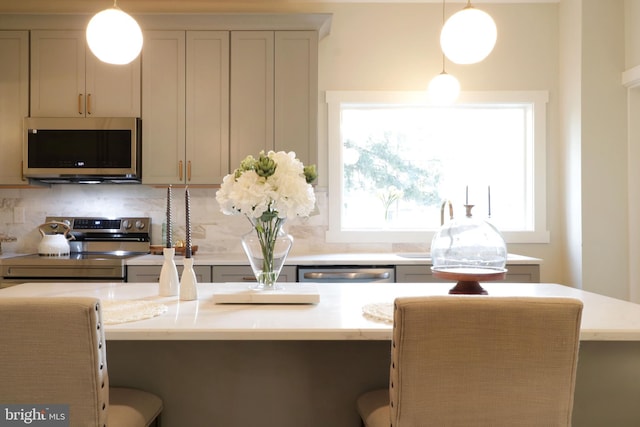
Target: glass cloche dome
[{"x": 468, "y": 250}]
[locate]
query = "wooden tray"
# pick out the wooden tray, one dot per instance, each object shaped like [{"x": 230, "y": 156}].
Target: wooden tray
[
  {"x": 290, "y": 293},
  {"x": 158, "y": 249}
]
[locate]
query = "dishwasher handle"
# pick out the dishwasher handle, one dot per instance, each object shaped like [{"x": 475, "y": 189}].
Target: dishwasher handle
[{"x": 339, "y": 275}]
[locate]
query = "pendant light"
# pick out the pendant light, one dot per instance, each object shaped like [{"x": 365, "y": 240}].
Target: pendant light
[
  {"x": 468, "y": 36},
  {"x": 443, "y": 88},
  {"x": 114, "y": 37}
]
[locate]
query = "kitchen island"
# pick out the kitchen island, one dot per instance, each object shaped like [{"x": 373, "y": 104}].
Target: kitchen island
[{"x": 304, "y": 364}]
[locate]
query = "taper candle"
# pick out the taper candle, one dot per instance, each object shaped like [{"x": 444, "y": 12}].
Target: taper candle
[
  {"x": 187, "y": 249},
  {"x": 168, "y": 242},
  {"x": 466, "y": 195}
]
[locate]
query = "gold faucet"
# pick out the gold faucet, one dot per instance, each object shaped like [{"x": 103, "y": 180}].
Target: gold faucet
[{"x": 444, "y": 204}]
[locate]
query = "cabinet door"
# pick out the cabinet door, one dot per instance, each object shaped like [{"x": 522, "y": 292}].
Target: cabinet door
[
  {"x": 207, "y": 107},
  {"x": 163, "y": 107},
  {"x": 296, "y": 94},
  {"x": 57, "y": 74},
  {"x": 529, "y": 273},
  {"x": 239, "y": 273},
  {"x": 252, "y": 94},
  {"x": 151, "y": 273},
  {"x": 14, "y": 103},
  {"x": 112, "y": 90}
]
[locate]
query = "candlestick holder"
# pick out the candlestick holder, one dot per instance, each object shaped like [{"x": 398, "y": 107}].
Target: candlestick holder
[
  {"x": 188, "y": 282},
  {"x": 169, "y": 284}
]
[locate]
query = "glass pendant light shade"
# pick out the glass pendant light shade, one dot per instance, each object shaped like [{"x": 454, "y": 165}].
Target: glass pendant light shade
[
  {"x": 443, "y": 89},
  {"x": 468, "y": 36},
  {"x": 114, "y": 37}
]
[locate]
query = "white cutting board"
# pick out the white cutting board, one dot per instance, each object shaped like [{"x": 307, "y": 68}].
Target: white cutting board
[{"x": 289, "y": 293}]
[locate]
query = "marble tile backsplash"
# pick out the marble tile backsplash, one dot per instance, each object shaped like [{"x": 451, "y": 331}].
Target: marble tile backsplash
[{"x": 212, "y": 231}]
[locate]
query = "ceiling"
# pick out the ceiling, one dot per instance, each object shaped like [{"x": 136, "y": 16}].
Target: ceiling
[{"x": 199, "y": 6}]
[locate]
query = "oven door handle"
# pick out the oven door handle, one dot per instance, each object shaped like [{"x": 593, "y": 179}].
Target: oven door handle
[{"x": 333, "y": 275}]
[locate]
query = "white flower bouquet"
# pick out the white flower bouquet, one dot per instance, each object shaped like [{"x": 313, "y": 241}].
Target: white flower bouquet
[
  {"x": 275, "y": 184},
  {"x": 268, "y": 190}
]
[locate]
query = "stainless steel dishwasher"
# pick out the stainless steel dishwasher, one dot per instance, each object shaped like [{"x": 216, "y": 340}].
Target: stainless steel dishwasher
[{"x": 346, "y": 274}]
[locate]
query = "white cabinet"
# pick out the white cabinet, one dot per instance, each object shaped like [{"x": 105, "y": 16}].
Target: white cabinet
[
  {"x": 296, "y": 94},
  {"x": 67, "y": 80},
  {"x": 274, "y": 85},
  {"x": 151, "y": 273},
  {"x": 14, "y": 103},
  {"x": 185, "y": 107}
]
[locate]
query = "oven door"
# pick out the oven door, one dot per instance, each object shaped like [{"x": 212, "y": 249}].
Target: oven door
[
  {"x": 346, "y": 274},
  {"x": 16, "y": 274},
  {"x": 5, "y": 283}
]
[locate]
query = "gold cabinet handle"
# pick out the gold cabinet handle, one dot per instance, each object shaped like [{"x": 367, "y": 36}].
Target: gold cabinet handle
[
  {"x": 88, "y": 103},
  {"x": 80, "y": 103},
  {"x": 180, "y": 170},
  {"x": 189, "y": 170}
]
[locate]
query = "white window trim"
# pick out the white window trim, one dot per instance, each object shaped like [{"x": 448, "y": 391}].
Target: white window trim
[{"x": 334, "y": 99}]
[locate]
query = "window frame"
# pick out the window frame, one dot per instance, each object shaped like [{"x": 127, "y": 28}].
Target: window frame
[{"x": 536, "y": 158}]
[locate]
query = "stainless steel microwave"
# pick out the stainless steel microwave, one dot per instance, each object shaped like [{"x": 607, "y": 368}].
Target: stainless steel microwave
[{"x": 82, "y": 150}]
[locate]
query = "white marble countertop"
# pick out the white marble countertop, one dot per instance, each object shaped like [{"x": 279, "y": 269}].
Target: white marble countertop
[
  {"x": 318, "y": 259},
  {"x": 338, "y": 315}
]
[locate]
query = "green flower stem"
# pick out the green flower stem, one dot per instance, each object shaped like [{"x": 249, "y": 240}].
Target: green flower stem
[{"x": 267, "y": 227}]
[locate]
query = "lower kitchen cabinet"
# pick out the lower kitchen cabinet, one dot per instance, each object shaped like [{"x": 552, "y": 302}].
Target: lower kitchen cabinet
[
  {"x": 151, "y": 273},
  {"x": 524, "y": 273},
  {"x": 242, "y": 273}
]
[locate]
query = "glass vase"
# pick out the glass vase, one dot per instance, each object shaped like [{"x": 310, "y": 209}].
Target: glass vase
[{"x": 267, "y": 246}]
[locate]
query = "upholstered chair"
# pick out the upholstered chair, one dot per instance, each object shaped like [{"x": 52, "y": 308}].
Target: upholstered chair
[
  {"x": 53, "y": 351},
  {"x": 462, "y": 361}
]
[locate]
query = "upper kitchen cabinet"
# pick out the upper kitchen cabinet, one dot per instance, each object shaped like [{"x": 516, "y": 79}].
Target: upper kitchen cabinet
[
  {"x": 185, "y": 107},
  {"x": 14, "y": 103},
  {"x": 274, "y": 93},
  {"x": 67, "y": 80}
]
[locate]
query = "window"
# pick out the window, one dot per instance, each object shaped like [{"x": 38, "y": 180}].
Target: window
[{"x": 394, "y": 160}]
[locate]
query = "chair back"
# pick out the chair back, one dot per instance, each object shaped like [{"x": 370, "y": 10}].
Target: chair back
[
  {"x": 478, "y": 361},
  {"x": 53, "y": 351}
]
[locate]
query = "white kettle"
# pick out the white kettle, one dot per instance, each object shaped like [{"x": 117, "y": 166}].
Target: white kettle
[{"x": 56, "y": 244}]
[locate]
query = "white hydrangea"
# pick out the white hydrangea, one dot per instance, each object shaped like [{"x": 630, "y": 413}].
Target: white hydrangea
[{"x": 285, "y": 192}]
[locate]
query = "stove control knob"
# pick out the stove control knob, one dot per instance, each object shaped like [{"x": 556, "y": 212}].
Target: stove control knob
[
  {"x": 139, "y": 225},
  {"x": 126, "y": 224}
]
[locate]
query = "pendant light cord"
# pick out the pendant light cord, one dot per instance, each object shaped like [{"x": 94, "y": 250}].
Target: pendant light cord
[{"x": 443, "y": 21}]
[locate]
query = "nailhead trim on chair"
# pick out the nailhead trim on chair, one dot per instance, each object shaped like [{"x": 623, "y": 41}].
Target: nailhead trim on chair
[{"x": 101, "y": 366}]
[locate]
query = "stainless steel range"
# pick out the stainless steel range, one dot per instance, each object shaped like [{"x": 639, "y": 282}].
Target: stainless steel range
[{"x": 98, "y": 251}]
